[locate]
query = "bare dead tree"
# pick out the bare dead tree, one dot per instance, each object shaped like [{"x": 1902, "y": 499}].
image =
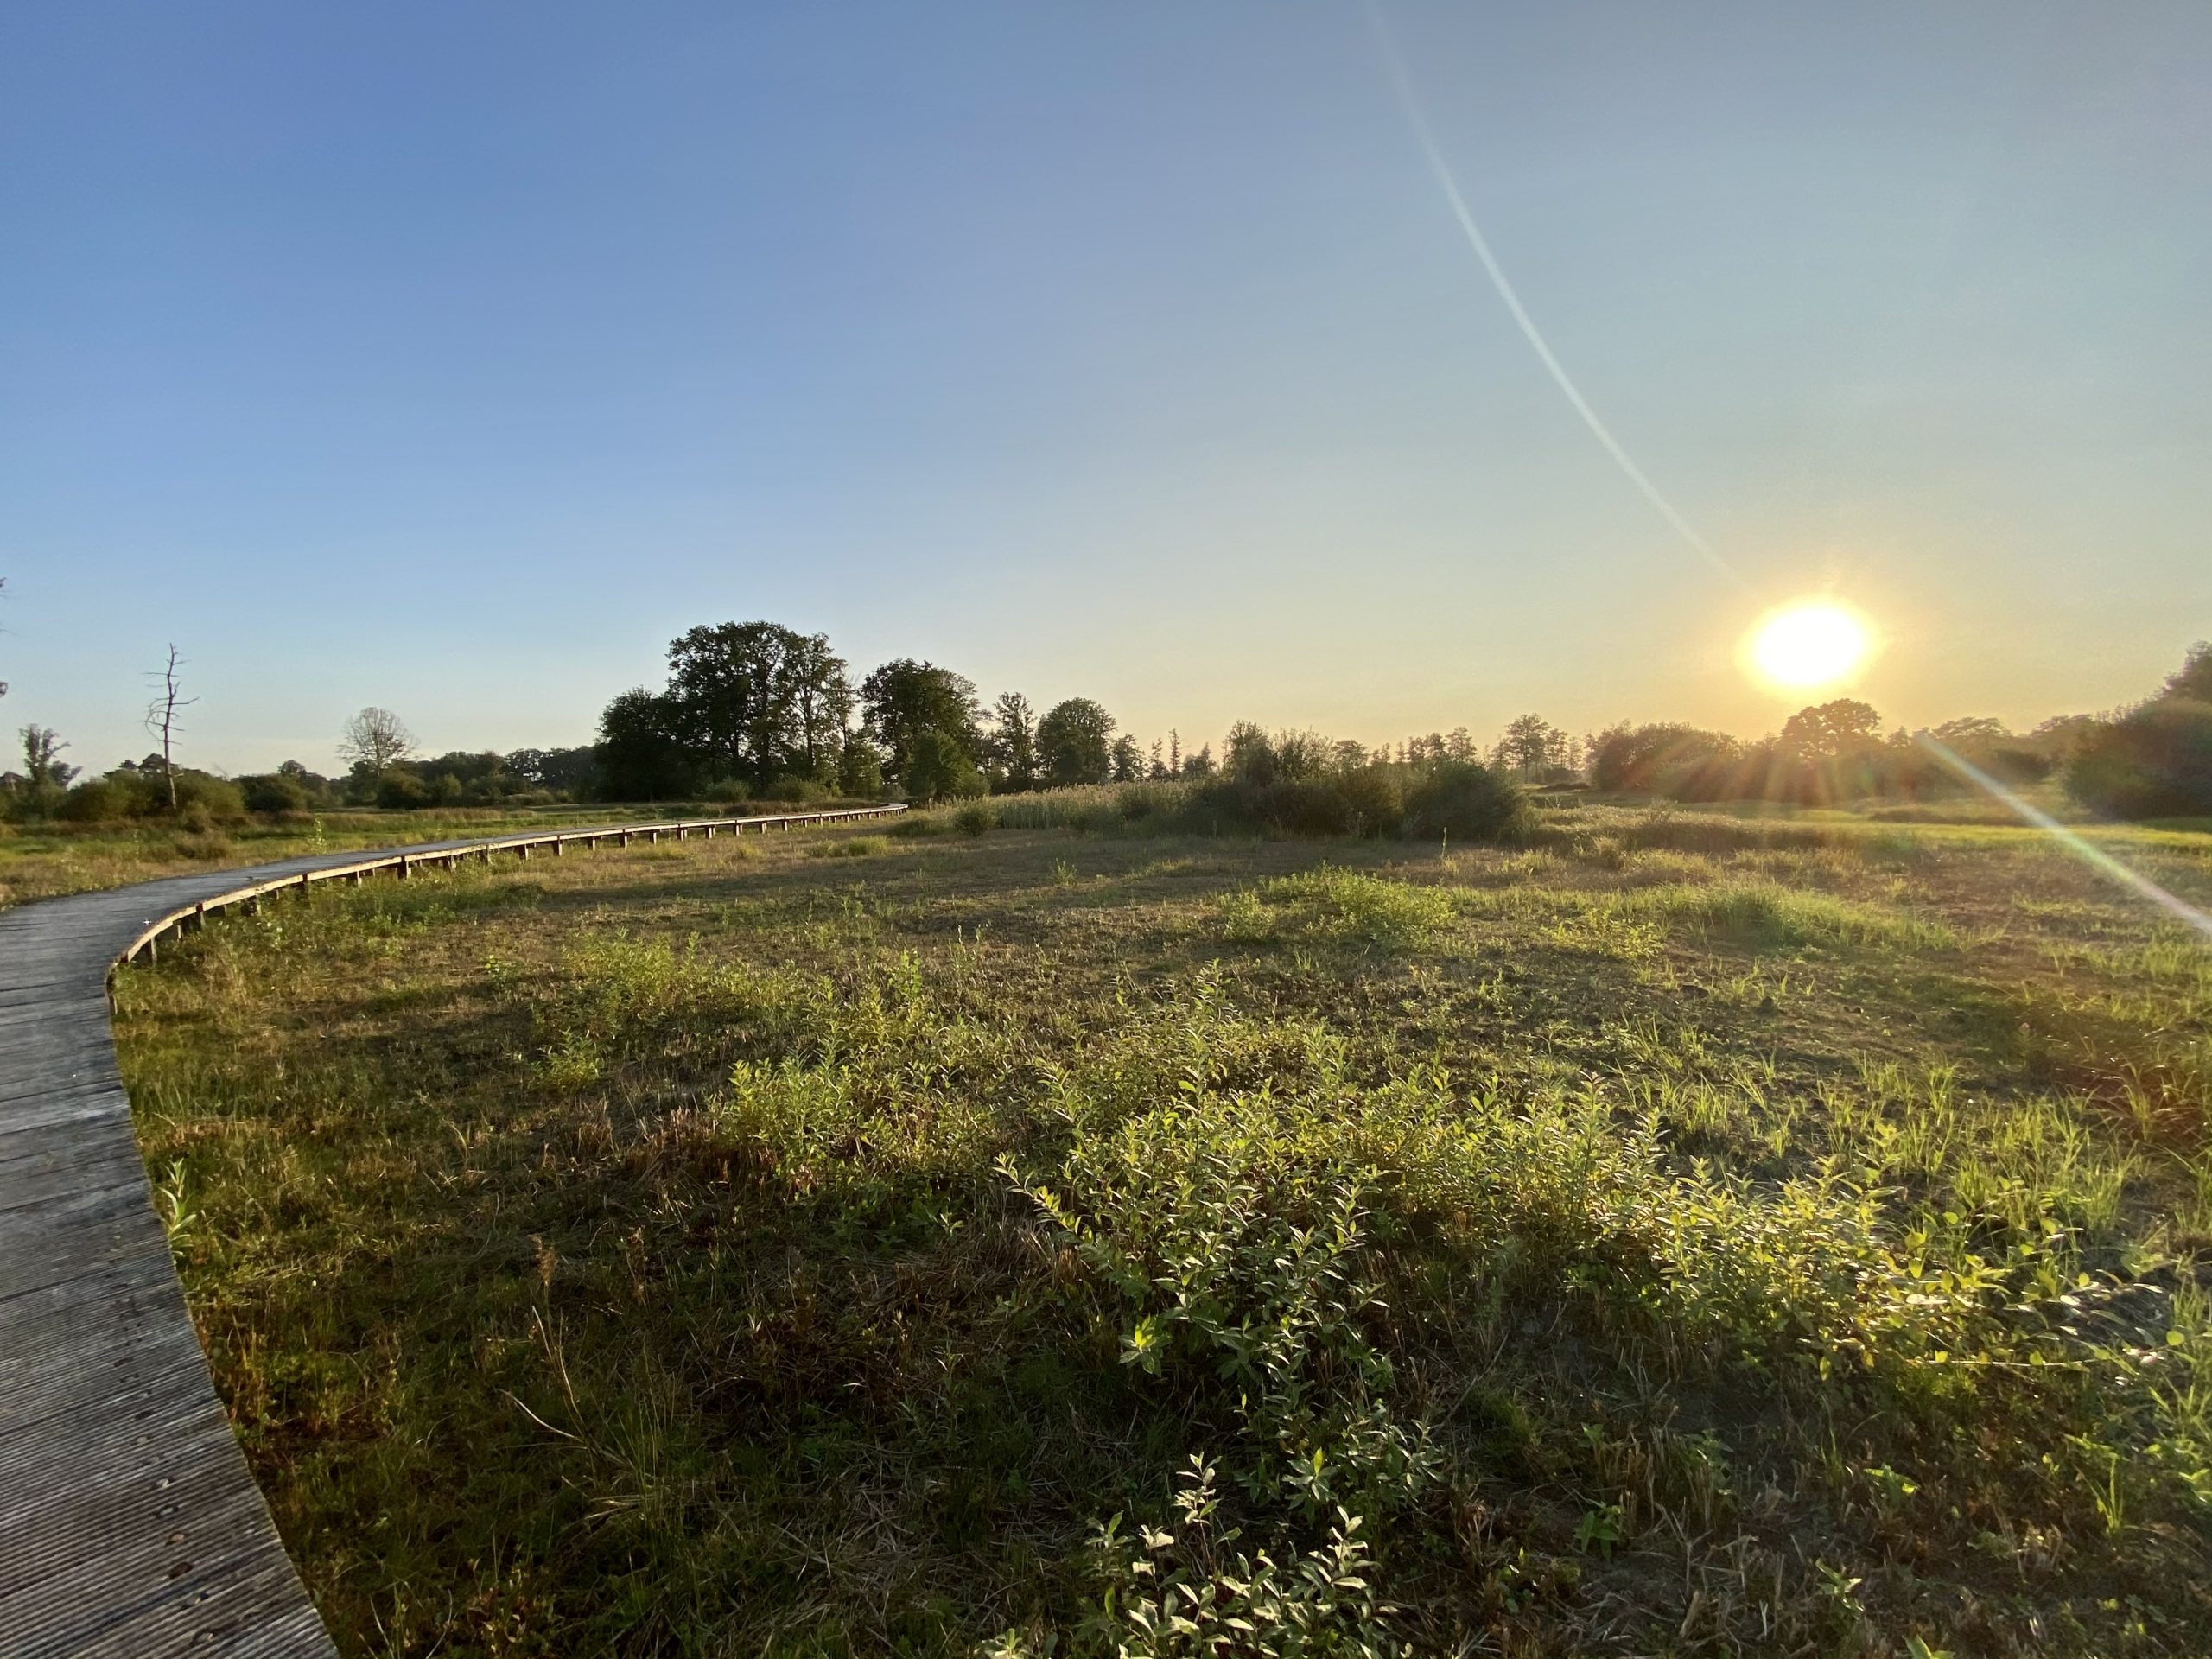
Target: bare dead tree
[
  {"x": 375, "y": 739},
  {"x": 161, "y": 716}
]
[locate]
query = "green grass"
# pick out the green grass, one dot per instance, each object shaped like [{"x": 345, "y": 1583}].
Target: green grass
[{"x": 1789, "y": 1238}]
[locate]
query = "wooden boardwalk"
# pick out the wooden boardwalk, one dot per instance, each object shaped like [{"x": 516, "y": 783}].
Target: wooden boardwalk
[{"x": 130, "y": 1527}]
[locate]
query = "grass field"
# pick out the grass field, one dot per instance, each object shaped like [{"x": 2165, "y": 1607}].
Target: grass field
[{"x": 1683, "y": 1235}]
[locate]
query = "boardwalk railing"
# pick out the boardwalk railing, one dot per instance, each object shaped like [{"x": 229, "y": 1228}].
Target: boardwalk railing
[
  {"x": 130, "y": 1525},
  {"x": 404, "y": 862}
]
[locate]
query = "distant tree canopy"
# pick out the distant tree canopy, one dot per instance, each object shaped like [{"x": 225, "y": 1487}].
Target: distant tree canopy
[
  {"x": 1532, "y": 746},
  {"x": 2153, "y": 761},
  {"x": 749, "y": 707},
  {"x": 1829, "y": 731},
  {"x": 938, "y": 769},
  {"x": 905, "y": 699},
  {"x": 375, "y": 739},
  {"x": 1072, "y": 743},
  {"x": 1678, "y": 761},
  {"x": 1010, "y": 749},
  {"x": 1126, "y": 759},
  {"x": 1830, "y": 752},
  {"x": 756, "y": 700},
  {"x": 642, "y": 753},
  {"x": 43, "y": 767},
  {"x": 755, "y": 708}
]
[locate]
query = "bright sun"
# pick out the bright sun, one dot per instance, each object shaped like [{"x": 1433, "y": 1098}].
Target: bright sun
[{"x": 1812, "y": 642}]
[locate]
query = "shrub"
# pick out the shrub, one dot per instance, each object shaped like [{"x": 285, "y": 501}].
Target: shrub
[
  {"x": 208, "y": 799},
  {"x": 1280, "y": 806},
  {"x": 799, "y": 791},
  {"x": 21, "y": 801},
  {"x": 272, "y": 791},
  {"x": 727, "y": 791},
  {"x": 97, "y": 800},
  {"x": 2153, "y": 762},
  {"x": 1467, "y": 801},
  {"x": 401, "y": 789},
  {"x": 974, "y": 819}
]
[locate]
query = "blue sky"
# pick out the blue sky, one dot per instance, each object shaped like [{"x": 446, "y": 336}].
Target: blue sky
[{"x": 453, "y": 358}]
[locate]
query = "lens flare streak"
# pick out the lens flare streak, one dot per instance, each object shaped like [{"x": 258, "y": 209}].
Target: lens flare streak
[
  {"x": 1416, "y": 115},
  {"x": 2095, "y": 856}
]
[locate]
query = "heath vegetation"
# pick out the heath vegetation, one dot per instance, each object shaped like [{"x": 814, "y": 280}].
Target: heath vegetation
[{"x": 1053, "y": 1231}]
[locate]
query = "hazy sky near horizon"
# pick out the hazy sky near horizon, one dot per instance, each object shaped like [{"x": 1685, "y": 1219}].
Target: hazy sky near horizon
[{"x": 455, "y": 357}]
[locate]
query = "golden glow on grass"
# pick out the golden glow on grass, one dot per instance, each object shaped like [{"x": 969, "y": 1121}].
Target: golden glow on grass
[{"x": 1808, "y": 644}]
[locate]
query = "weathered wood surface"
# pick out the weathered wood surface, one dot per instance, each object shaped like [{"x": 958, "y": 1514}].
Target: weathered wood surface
[{"x": 130, "y": 1527}]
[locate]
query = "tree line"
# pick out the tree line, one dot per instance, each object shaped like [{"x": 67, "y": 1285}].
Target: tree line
[
  {"x": 2150, "y": 760},
  {"x": 758, "y": 711}
]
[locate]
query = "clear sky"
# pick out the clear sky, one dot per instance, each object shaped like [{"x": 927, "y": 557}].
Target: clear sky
[{"x": 453, "y": 357}]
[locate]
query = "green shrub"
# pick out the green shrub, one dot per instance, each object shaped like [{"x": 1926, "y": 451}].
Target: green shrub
[
  {"x": 272, "y": 791},
  {"x": 402, "y": 790},
  {"x": 1462, "y": 800},
  {"x": 215, "y": 798},
  {"x": 727, "y": 791},
  {"x": 974, "y": 819},
  {"x": 799, "y": 791},
  {"x": 23, "y": 802},
  {"x": 99, "y": 800}
]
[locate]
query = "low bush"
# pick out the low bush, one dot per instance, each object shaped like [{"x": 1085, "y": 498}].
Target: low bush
[
  {"x": 99, "y": 800},
  {"x": 1469, "y": 801},
  {"x": 402, "y": 790},
  {"x": 1460, "y": 800},
  {"x": 272, "y": 791},
  {"x": 799, "y": 791}
]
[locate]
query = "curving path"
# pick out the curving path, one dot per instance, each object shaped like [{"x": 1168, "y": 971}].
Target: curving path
[{"x": 129, "y": 1524}]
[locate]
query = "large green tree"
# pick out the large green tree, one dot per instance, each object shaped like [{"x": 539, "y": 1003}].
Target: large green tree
[
  {"x": 904, "y": 699},
  {"x": 1829, "y": 731},
  {"x": 1012, "y": 747},
  {"x": 937, "y": 769},
  {"x": 641, "y": 753},
  {"x": 1126, "y": 760},
  {"x": 1529, "y": 743},
  {"x": 757, "y": 701},
  {"x": 1071, "y": 743}
]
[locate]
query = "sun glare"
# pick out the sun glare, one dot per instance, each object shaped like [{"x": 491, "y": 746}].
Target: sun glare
[{"x": 1814, "y": 642}]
